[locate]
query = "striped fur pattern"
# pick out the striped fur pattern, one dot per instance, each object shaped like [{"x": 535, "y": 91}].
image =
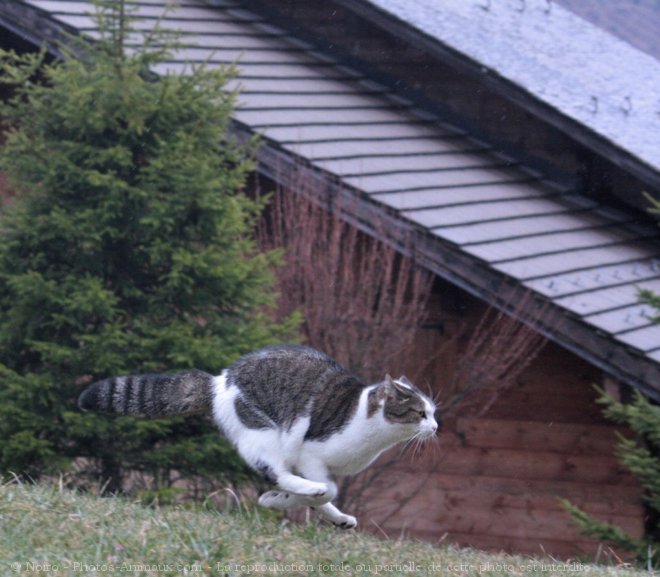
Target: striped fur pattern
[
  {"x": 293, "y": 413},
  {"x": 150, "y": 396}
]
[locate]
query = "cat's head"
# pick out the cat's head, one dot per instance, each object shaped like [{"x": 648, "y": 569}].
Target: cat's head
[{"x": 404, "y": 405}]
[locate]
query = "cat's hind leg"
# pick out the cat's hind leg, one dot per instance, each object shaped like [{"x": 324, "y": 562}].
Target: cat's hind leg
[
  {"x": 282, "y": 500},
  {"x": 277, "y": 473},
  {"x": 311, "y": 472}
]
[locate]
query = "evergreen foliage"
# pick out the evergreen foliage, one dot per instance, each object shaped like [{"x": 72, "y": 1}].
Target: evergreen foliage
[
  {"x": 641, "y": 456},
  {"x": 127, "y": 249}
]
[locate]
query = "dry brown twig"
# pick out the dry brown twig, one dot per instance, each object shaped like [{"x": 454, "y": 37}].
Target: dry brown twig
[
  {"x": 361, "y": 301},
  {"x": 497, "y": 352}
]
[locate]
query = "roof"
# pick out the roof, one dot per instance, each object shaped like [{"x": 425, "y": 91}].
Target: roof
[
  {"x": 561, "y": 60},
  {"x": 481, "y": 219}
]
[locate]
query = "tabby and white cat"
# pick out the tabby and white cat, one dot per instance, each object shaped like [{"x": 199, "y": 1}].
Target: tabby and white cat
[{"x": 293, "y": 413}]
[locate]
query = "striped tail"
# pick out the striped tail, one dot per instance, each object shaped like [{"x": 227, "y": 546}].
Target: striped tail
[{"x": 150, "y": 396}]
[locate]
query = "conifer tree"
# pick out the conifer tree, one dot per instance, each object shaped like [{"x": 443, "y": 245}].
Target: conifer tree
[
  {"x": 641, "y": 456},
  {"x": 126, "y": 249}
]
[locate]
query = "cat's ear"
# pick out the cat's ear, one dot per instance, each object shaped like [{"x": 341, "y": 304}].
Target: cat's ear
[
  {"x": 404, "y": 381},
  {"x": 401, "y": 390}
]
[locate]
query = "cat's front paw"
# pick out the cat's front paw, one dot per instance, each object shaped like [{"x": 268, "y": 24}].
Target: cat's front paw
[
  {"x": 300, "y": 487},
  {"x": 317, "y": 491}
]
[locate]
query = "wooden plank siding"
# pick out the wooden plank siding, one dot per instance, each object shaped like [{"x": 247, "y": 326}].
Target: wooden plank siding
[{"x": 494, "y": 481}]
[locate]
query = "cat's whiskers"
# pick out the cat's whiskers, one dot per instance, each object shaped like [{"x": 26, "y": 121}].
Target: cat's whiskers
[
  {"x": 408, "y": 444},
  {"x": 417, "y": 443},
  {"x": 431, "y": 444}
]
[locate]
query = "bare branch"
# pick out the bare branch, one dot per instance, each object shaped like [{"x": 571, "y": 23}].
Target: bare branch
[
  {"x": 498, "y": 351},
  {"x": 362, "y": 302}
]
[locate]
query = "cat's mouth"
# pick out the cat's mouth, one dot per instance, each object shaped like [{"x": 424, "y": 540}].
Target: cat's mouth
[{"x": 427, "y": 433}]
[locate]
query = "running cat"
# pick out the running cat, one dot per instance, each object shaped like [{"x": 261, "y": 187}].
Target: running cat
[{"x": 293, "y": 413}]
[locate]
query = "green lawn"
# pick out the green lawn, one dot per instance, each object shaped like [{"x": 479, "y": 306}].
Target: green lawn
[{"x": 47, "y": 531}]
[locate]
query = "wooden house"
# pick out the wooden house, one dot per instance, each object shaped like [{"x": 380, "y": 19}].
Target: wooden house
[{"x": 508, "y": 140}]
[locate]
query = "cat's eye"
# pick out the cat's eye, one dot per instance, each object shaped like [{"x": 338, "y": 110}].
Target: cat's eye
[{"x": 422, "y": 414}]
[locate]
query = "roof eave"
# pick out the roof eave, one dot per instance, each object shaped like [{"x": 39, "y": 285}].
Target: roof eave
[{"x": 35, "y": 26}]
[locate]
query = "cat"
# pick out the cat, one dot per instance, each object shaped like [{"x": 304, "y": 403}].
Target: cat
[{"x": 294, "y": 414}]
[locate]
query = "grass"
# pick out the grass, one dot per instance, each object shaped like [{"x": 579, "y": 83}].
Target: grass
[{"x": 45, "y": 530}]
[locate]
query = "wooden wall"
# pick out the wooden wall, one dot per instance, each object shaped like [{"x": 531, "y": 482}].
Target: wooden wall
[{"x": 493, "y": 481}]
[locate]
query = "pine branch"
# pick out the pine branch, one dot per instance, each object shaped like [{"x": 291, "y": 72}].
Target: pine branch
[{"x": 592, "y": 527}]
